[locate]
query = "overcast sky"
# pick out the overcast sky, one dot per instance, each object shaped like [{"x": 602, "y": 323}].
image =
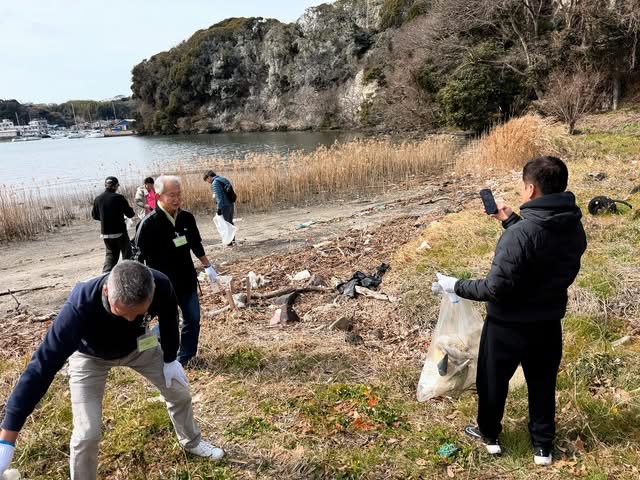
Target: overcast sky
[{"x": 57, "y": 50}]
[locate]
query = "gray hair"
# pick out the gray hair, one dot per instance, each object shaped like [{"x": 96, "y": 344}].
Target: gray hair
[
  {"x": 163, "y": 180},
  {"x": 130, "y": 283}
]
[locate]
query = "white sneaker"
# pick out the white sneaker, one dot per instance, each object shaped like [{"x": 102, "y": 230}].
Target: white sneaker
[
  {"x": 204, "y": 449},
  {"x": 542, "y": 457}
]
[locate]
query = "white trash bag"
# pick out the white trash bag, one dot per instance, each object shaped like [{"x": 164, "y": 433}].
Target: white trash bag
[
  {"x": 225, "y": 229},
  {"x": 452, "y": 358}
]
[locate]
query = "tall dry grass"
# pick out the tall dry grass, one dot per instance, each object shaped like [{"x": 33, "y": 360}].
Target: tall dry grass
[
  {"x": 263, "y": 181},
  {"x": 24, "y": 213},
  {"x": 506, "y": 147}
]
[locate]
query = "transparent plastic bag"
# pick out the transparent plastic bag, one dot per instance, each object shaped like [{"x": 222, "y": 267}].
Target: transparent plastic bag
[
  {"x": 452, "y": 358},
  {"x": 225, "y": 229}
]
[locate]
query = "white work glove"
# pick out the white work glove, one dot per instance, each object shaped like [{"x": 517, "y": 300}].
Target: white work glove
[
  {"x": 6, "y": 455},
  {"x": 213, "y": 275},
  {"x": 447, "y": 285},
  {"x": 174, "y": 371}
]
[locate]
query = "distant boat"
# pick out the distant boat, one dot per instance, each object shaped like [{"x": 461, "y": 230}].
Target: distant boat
[
  {"x": 26, "y": 139},
  {"x": 56, "y": 136},
  {"x": 75, "y": 135},
  {"x": 95, "y": 134}
]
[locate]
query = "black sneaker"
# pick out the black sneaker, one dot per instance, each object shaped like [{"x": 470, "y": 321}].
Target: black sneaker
[
  {"x": 491, "y": 444},
  {"x": 542, "y": 456}
]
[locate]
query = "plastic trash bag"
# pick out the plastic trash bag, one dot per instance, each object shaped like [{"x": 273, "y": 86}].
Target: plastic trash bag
[
  {"x": 452, "y": 358},
  {"x": 225, "y": 229}
]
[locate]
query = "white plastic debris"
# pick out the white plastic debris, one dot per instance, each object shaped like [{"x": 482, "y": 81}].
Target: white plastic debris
[
  {"x": 423, "y": 246},
  {"x": 257, "y": 281},
  {"x": 303, "y": 275},
  {"x": 11, "y": 474}
]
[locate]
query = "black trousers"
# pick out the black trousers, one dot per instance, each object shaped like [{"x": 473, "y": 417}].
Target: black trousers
[
  {"x": 538, "y": 347},
  {"x": 115, "y": 247}
]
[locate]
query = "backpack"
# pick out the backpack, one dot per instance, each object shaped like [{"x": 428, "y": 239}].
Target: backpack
[
  {"x": 230, "y": 192},
  {"x": 601, "y": 204}
]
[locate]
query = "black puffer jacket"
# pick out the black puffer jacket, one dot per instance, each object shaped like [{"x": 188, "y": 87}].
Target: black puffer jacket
[
  {"x": 110, "y": 208},
  {"x": 537, "y": 258}
]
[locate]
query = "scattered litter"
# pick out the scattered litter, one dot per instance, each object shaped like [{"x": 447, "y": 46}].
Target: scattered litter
[
  {"x": 621, "y": 341},
  {"x": 240, "y": 300},
  {"x": 256, "y": 281},
  {"x": 447, "y": 450},
  {"x": 317, "y": 281},
  {"x": 285, "y": 314},
  {"x": 285, "y": 299},
  {"x": 597, "y": 176},
  {"x": 323, "y": 244},
  {"x": 371, "y": 282},
  {"x": 11, "y": 474},
  {"x": 423, "y": 246},
  {"x": 452, "y": 357},
  {"x": 343, "y": 323},
  {"x": 300, "y": 276},
  {"x": 365, "y": 292},
  {"x": 600, "y": 204},
  {"x": 305, "y": 225},
  {"x": 156, "y": 399},
  {"x": 224, "y": 280},
  {"x": 381, "y": 207}
]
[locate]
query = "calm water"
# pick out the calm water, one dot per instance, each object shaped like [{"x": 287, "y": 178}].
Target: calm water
[{"x": 87, "y": 161}]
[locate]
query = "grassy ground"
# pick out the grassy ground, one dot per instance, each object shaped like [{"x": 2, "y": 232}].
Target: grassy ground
[{"x": 301, "y": 402}]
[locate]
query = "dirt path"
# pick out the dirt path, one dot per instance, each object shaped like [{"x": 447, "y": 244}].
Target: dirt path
[{"x": 59, "y": 260}]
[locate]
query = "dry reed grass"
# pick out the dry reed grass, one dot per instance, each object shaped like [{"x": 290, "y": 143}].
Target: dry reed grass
[
  {"x": 263, "y": 181},
  {"x": 506, "y": 147},
  {"x": 25, "y": 213}
]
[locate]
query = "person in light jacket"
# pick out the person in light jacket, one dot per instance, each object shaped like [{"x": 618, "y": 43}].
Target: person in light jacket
[{"x": 146, "y": 197}]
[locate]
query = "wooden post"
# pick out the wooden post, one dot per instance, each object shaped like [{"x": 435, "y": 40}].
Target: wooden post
[
  {"x": 232, "y": 304},
  {"x": 248, "y": 291}
]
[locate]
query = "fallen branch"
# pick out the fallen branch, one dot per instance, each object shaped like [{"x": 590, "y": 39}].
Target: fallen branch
[
  {"x": 22, "y": 290},
  {"x": 219, "y": 311},
  {"x": 288, "y": 290}
]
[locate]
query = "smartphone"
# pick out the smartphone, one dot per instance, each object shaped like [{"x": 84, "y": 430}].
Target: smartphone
[{"x": 488, "y": 201}]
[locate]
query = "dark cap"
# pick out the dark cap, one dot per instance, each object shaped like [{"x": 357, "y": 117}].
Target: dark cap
[
  {"x": 207, "y": 174},
  {"x": 111, "y": 182}
]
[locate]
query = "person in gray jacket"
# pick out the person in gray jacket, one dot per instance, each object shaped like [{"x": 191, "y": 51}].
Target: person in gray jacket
[{"x": 536, "y": 260}]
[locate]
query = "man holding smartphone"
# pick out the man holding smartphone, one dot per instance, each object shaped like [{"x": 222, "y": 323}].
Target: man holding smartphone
[{"x": 536, "y": 260}]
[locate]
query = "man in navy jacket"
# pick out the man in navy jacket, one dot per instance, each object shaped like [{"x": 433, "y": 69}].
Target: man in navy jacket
[{"x": 104, "y": 324}]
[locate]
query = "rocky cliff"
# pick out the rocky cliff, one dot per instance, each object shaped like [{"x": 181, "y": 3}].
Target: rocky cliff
[{"x": 256, "y": 73}]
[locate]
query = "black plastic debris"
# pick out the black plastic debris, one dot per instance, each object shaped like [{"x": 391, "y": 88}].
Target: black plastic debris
[
  {"x": 359, "y": 279},
  {"x": 600, "y": 204}
]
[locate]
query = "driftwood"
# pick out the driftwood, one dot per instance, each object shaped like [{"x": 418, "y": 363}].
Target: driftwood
[
  {"x": 22, "y": 290},
  {"x": 288, "y": 290},
  {"x": 219, "y": 311},
  {"x": 365, "y": 292}
]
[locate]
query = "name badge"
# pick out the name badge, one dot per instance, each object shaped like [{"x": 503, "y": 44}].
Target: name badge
[
  {"x": 147, "y": 342},
  {"x": 180, "y": 241}
]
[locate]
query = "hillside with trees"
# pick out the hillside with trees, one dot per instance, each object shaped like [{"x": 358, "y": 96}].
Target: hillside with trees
[
  {"x": 62, "y": 114},
  {"x": 396, "y": 65}
]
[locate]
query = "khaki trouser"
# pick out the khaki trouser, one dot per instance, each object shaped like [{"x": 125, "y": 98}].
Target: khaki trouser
[{"x": 87, "y": 379}]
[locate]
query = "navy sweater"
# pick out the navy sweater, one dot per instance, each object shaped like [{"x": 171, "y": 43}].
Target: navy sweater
[{"x": 85, "y": 324}]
